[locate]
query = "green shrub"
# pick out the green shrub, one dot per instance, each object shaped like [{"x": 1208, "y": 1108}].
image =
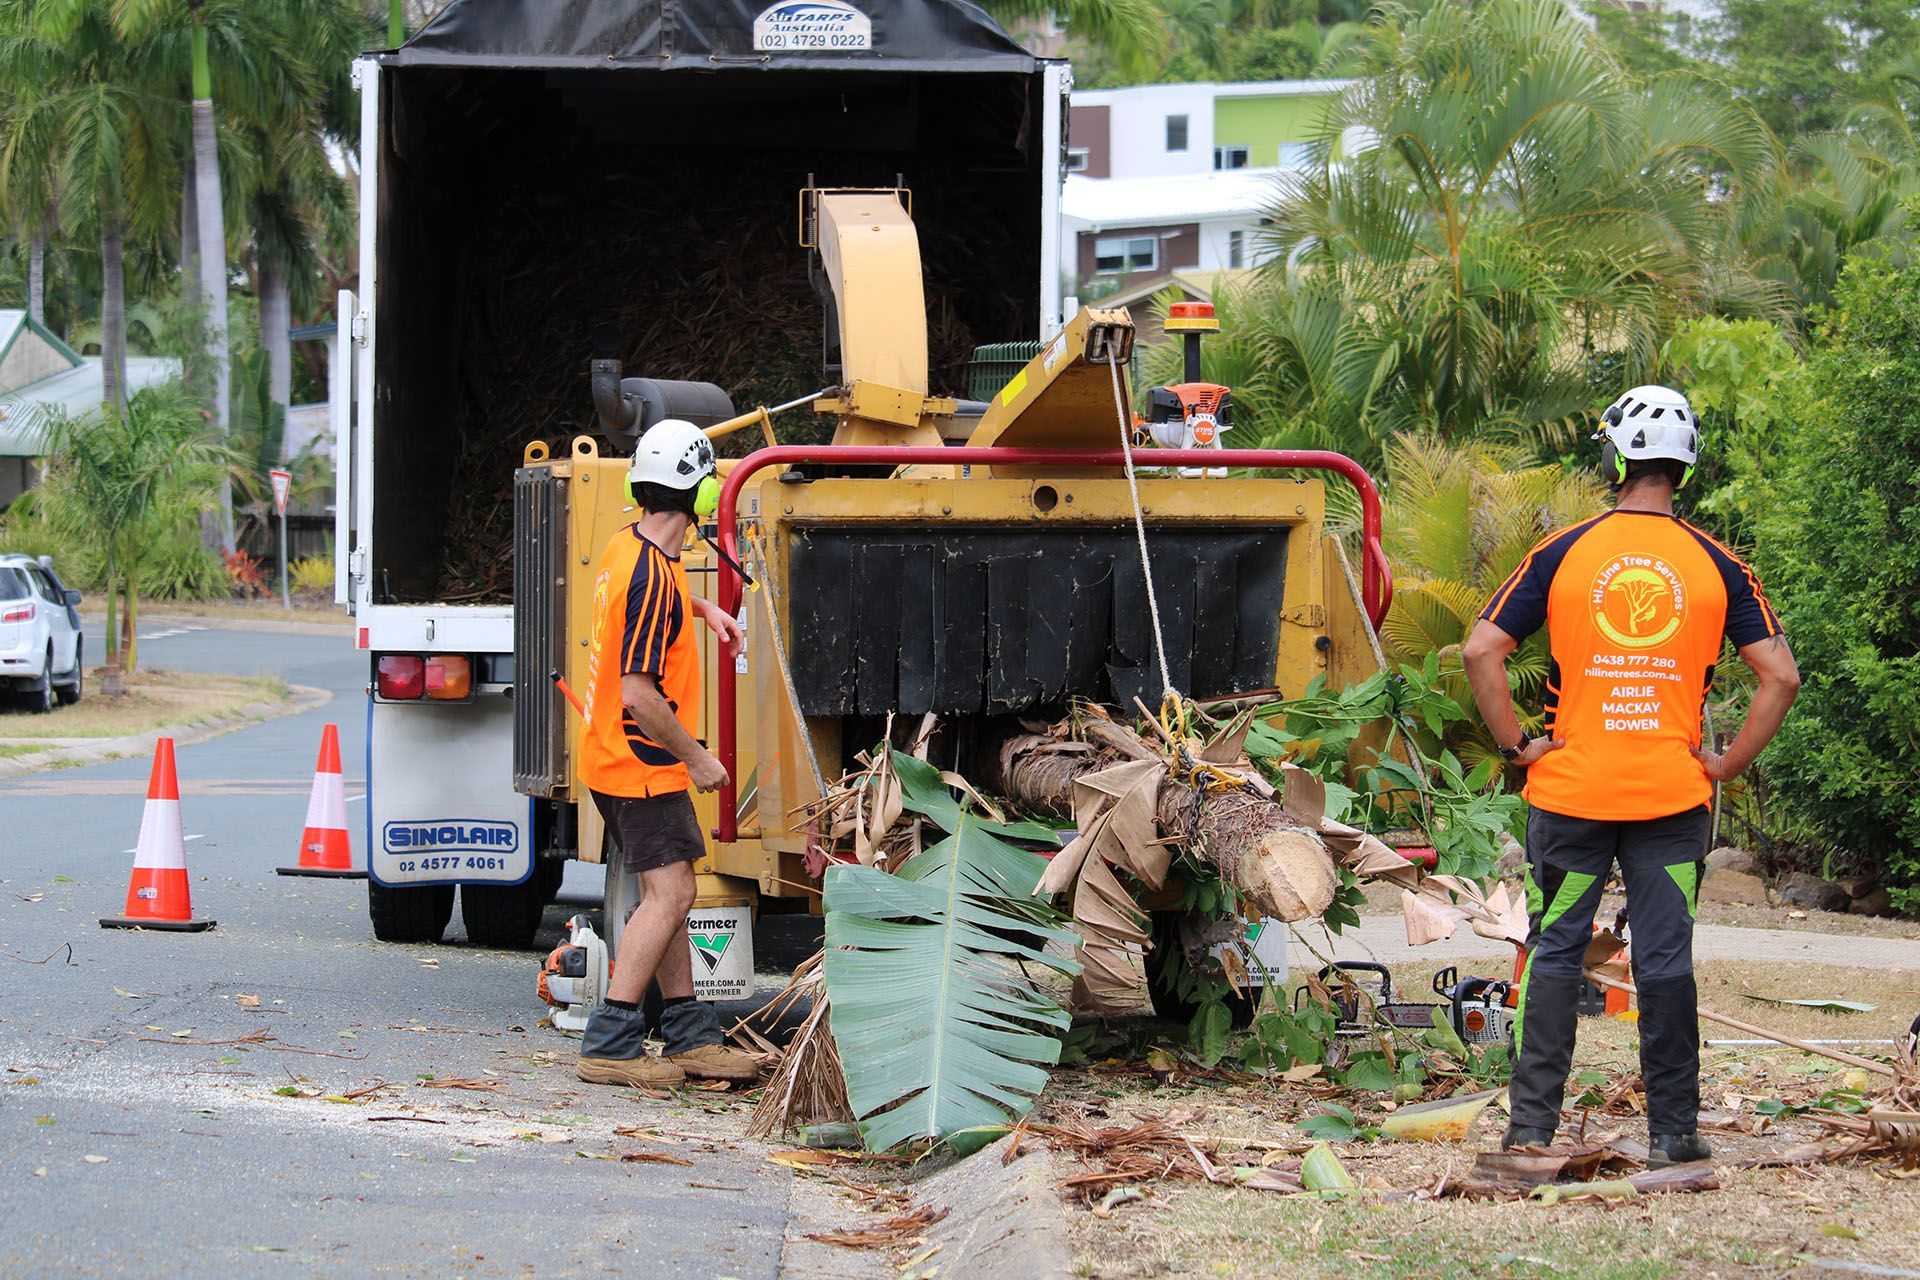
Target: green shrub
[
  {"x": 311, "y": 575},
  {"x": 1839, "y": 546}
]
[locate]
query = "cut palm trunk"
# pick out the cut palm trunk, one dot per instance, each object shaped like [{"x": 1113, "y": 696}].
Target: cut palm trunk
[{"x": 1133, "y": 801}]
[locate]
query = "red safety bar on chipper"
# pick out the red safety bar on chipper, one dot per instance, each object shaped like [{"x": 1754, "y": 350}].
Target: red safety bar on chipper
[{"x": 1376, "y": 579}]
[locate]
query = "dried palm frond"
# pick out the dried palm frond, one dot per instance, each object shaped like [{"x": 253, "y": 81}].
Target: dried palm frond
[{"x": 807, "y": 1086}]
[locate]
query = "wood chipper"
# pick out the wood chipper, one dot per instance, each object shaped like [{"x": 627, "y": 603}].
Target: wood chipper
[{"x": 979, "y": 564}]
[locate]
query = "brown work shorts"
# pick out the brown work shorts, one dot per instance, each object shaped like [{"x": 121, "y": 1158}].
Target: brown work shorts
[{"x": 654, "y": 831}]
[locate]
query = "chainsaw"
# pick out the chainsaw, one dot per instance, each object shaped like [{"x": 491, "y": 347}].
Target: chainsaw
[
  {"x": 1476, "y": 1008},
  {"x": 575, "y": 976}
]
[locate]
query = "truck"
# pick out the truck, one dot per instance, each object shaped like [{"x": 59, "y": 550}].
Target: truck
[
  {"x": 558, "y": 209},
  {"x": 530, "y": 173}
]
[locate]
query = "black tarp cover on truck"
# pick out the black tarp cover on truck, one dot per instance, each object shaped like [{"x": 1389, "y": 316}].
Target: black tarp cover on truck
[
  {"x": 545, "y": 166},
  {"x": 906, "y": 35}
]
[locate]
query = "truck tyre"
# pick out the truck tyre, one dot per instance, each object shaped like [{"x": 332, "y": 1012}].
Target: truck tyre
[
  {"x": 506, "y": 916},
  {"x": 1163, "y": 965},
  {"x": 409, "y": 913}
]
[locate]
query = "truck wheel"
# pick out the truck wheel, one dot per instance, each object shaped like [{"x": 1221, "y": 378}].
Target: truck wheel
[
  {"x": 409, "y": 913},
  {"x": 1166, "y": 964},
  {"x": 506, "y": 916}
]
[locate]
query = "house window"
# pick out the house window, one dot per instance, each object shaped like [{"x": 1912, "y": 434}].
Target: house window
[
  {"x": 1176, "y": 133},
  {"x": 1126, "y": 253},
  {"x": 1232, "y": 156},
  {"x": 1236, "y": 248},
  {"x": 1077, "y": 159},
  {"x": 1295, "y": 155}
]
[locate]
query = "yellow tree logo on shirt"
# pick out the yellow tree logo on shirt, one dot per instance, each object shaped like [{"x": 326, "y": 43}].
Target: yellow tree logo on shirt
[{"x": 1638, "y": 601}]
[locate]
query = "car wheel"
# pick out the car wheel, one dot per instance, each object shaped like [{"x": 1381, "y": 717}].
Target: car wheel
[
  {"x": 507, "y": 916},
  {"x": 69, "y": 693},
  {"x": 40, "y": 700},
  {"x": 1164, "y": 964}
]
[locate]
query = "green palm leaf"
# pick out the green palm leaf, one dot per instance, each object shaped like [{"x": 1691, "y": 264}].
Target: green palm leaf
[{"x": 938, "y": 1031}]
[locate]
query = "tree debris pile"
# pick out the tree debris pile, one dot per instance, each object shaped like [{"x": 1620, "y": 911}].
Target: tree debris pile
[{"x": 713, "y": 288}]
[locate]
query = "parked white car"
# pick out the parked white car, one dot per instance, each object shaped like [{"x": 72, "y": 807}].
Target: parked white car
[{"x": 40, "y": 647}]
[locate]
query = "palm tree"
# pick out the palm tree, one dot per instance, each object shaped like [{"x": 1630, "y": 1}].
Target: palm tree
[
  {"x": 1459, "y": 517},
  {"x": 85, "y": 123},
  {"x": 115, "y": 482},
  {"x": 1132, "y": 32},
  {"x": 1498, "y": 206},
  {"x": 262, "y": 75}
]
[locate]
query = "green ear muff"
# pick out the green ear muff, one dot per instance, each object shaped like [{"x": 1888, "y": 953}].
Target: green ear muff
[
  {"x": 706, "y": 499},
  {"x": 1686, "y": 478},
  {"x": 1613, "y": 464}
]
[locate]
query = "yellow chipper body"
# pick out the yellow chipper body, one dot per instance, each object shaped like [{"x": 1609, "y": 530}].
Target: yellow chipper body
[{"x": 898, "y": 572}]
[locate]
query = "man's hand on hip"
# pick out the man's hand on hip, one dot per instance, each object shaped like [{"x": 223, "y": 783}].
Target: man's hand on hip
[
  {"x": 1718, "y": 768},
  {"x": 1537, "y": 747}
]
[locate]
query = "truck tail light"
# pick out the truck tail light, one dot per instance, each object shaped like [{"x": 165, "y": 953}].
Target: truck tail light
[
  {"x": 401, "y": 677},
  {"x": 449, "y": 677},
  {"x": 23, "y": 613}
]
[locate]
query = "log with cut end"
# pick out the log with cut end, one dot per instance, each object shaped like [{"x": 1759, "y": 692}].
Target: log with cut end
[{"x": 1281, "y": 867}]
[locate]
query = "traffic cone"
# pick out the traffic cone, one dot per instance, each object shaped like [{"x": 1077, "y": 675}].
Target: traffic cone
[
  {"x": 324, "y": 848},
  {"x": 157, "y": 894}
]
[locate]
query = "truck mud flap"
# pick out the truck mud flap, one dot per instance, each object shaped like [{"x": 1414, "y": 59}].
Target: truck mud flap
[{"x": 995, "y": 620}]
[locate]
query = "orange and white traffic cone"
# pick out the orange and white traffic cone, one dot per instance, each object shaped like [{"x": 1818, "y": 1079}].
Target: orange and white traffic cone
[
  {"x": 324, "y": 847},
  {"x": 157, "y": 893}
]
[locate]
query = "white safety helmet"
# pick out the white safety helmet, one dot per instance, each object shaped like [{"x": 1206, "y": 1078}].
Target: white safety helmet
[
  {"x": 1649, "y": 422},
  {"x": 675, "y": 454}
]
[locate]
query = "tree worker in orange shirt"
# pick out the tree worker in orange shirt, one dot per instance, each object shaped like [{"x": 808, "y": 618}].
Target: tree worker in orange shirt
[
  {"x": 639, "y": 756},
  {"x": 1636, "y": 603}
]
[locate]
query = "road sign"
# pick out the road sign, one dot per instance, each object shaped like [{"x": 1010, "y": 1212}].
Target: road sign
[{"x": 282, "y": 485}]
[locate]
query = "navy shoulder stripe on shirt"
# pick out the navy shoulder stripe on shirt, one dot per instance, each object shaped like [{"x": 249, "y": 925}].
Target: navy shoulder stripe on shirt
[
  {"x": 1750, "y": 618},
  {"x": 1519, "y": 607}
]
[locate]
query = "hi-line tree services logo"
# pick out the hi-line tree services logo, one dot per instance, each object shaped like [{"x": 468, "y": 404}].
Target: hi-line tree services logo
[
  {"x": 1638, "y": 601},
  {"x": 812, "y": 24}
]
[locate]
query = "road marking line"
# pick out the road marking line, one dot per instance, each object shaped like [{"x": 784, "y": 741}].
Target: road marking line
[{"x": 195, "y": 836}]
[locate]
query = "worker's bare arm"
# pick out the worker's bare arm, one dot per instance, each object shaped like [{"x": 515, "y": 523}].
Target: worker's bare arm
[
  {"x": 723, "y": 624},
  {"x": 1779, "y": 675},
  {"x": 654, "y": 714},
  {"x": 1485, "y": 656}
]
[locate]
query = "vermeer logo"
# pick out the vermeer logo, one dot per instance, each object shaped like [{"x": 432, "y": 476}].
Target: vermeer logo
[
  {"x": 710, "y": 947},
  {"x": 1638, "y": 601},
  {"x": 812, "y": 24}
]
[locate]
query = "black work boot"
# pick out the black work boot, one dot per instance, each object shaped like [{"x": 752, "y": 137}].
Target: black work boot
[
  {"x": 1519, "y": 1136},
  {"x": 1664, "y": 1149},
  {"x": 1670, "y": 1056},
  {"x": 1548, "y": 1017}
]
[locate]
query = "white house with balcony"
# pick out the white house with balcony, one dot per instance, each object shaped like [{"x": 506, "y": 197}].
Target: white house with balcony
[{"x": 1176, "y": 177}]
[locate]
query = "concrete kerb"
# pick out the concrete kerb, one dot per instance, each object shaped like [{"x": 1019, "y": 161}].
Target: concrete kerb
[
  {"x": 1003, "y": 1219},
  {"x": 299, "y": 698}
]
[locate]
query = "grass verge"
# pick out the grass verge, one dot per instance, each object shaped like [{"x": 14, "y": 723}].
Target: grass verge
[
  {"x": 233, "y": 610},
  {"x": 1763, "y": 1222},
  {"x": 154, "y": 700}
]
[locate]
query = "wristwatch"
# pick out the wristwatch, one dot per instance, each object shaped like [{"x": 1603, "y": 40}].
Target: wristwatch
[{"x": 1512, "y": 753}]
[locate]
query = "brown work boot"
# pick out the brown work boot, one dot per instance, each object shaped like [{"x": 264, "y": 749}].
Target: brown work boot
[
  {"x": 645, "y": 1071},
  {"x": 613, "y": 1050},
  {"x": 717, "y": 1062}
]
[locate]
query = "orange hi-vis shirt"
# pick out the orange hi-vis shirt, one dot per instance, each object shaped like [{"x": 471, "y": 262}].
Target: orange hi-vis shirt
[
  {"x": 642, "y": 623},
  {"x": 1636, "y": 605}
]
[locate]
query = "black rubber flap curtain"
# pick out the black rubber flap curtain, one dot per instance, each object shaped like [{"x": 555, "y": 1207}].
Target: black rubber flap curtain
[{"x": 709, "y": 35}]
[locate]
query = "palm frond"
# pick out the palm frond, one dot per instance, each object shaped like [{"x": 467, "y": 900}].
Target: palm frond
[{"x": 938, "y": 1031}]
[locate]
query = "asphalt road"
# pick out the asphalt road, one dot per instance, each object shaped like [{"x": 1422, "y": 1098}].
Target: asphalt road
[{"x": 137, "y": 1137}]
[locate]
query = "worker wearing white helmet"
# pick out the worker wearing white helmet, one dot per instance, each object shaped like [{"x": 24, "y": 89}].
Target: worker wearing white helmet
[
  {"x": 639, "y": 755},
  {"x": 1637, "y": 604}
]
